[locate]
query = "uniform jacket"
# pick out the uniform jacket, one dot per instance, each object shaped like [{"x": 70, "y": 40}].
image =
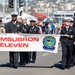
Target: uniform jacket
[
  {"x": 12, "y": 27},
  {"x": 24, "y": 28},
  {"x": 67, "y": 40},
  {"x": 33, "y": 29}
]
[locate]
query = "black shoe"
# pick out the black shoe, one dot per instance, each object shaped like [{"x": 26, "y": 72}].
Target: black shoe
[
  {"x": 15, "y": 67},
  {"x": 67, "y": 67},
  {"x": 22, "y": 64},
  {"x": 33, "y": 61},
  {"x": 73, "y": 64},
  {"x": 62, "y": 67},
  {"x": 28, "y": 62}
]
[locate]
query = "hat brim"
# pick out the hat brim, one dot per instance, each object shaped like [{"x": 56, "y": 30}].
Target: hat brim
[
  {"x": 32, "y": 21},
  {"x": 67, "y": 20},
  {"x": 14, "y": 15}
]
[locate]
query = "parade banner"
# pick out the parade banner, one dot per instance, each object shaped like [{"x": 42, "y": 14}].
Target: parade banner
[{"x": 29, "y": 42}]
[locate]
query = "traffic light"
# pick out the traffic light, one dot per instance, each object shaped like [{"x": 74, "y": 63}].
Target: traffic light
[
  {"x": 21, "y": 3},
  {"x": 11, "y": 3}
]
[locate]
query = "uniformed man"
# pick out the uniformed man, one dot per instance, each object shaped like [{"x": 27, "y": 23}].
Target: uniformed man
[
  {"x": 74, "y": 44},
  {"x": 67, "y": 42},
  {"x": 24, "y": 56},
  {"x": 33, "y": 29},
  {"x": 13, "y": 27}
]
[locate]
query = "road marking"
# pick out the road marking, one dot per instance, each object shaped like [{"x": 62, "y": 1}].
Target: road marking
[{"x": 45, "y": 54}]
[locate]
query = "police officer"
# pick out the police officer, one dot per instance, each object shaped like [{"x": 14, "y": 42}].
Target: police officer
[
  {"x": 24, "y": 56},
  {"x": 13, "y": 27},
  {"x": 67, "y": 42},
  {"x": 33, "y": 29}
]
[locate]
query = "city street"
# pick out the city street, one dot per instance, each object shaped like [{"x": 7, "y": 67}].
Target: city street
[
  {"x": 37, "y": 25},
  {"x": 46, "y": 64}
]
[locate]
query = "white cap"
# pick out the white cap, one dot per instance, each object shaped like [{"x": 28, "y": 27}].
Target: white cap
[
  {"x": 14, "y": 13},
  {"x": 69, "y": 18}
]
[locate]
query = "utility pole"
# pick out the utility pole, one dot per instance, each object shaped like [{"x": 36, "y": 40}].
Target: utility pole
[
  {"x": 26, "y": 6},
  {"x": 48, "y": 11},
  {"x": 15, "y": 5},
  {"x": 3, "y": 8}
]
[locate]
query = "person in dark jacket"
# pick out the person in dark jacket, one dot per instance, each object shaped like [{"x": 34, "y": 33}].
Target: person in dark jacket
[
  {"x": 24, "y": 56},
  {"x": 74, "y": 21},
  {"x": 74, "y": 45},
  {"x": 67, "y": 42},
  {"x": 33, "y": 29},
  {"x": 13, "y": 27}
]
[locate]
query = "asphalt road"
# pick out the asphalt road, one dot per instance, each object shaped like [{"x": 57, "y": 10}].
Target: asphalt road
[{"x": 46, "y": 64}]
